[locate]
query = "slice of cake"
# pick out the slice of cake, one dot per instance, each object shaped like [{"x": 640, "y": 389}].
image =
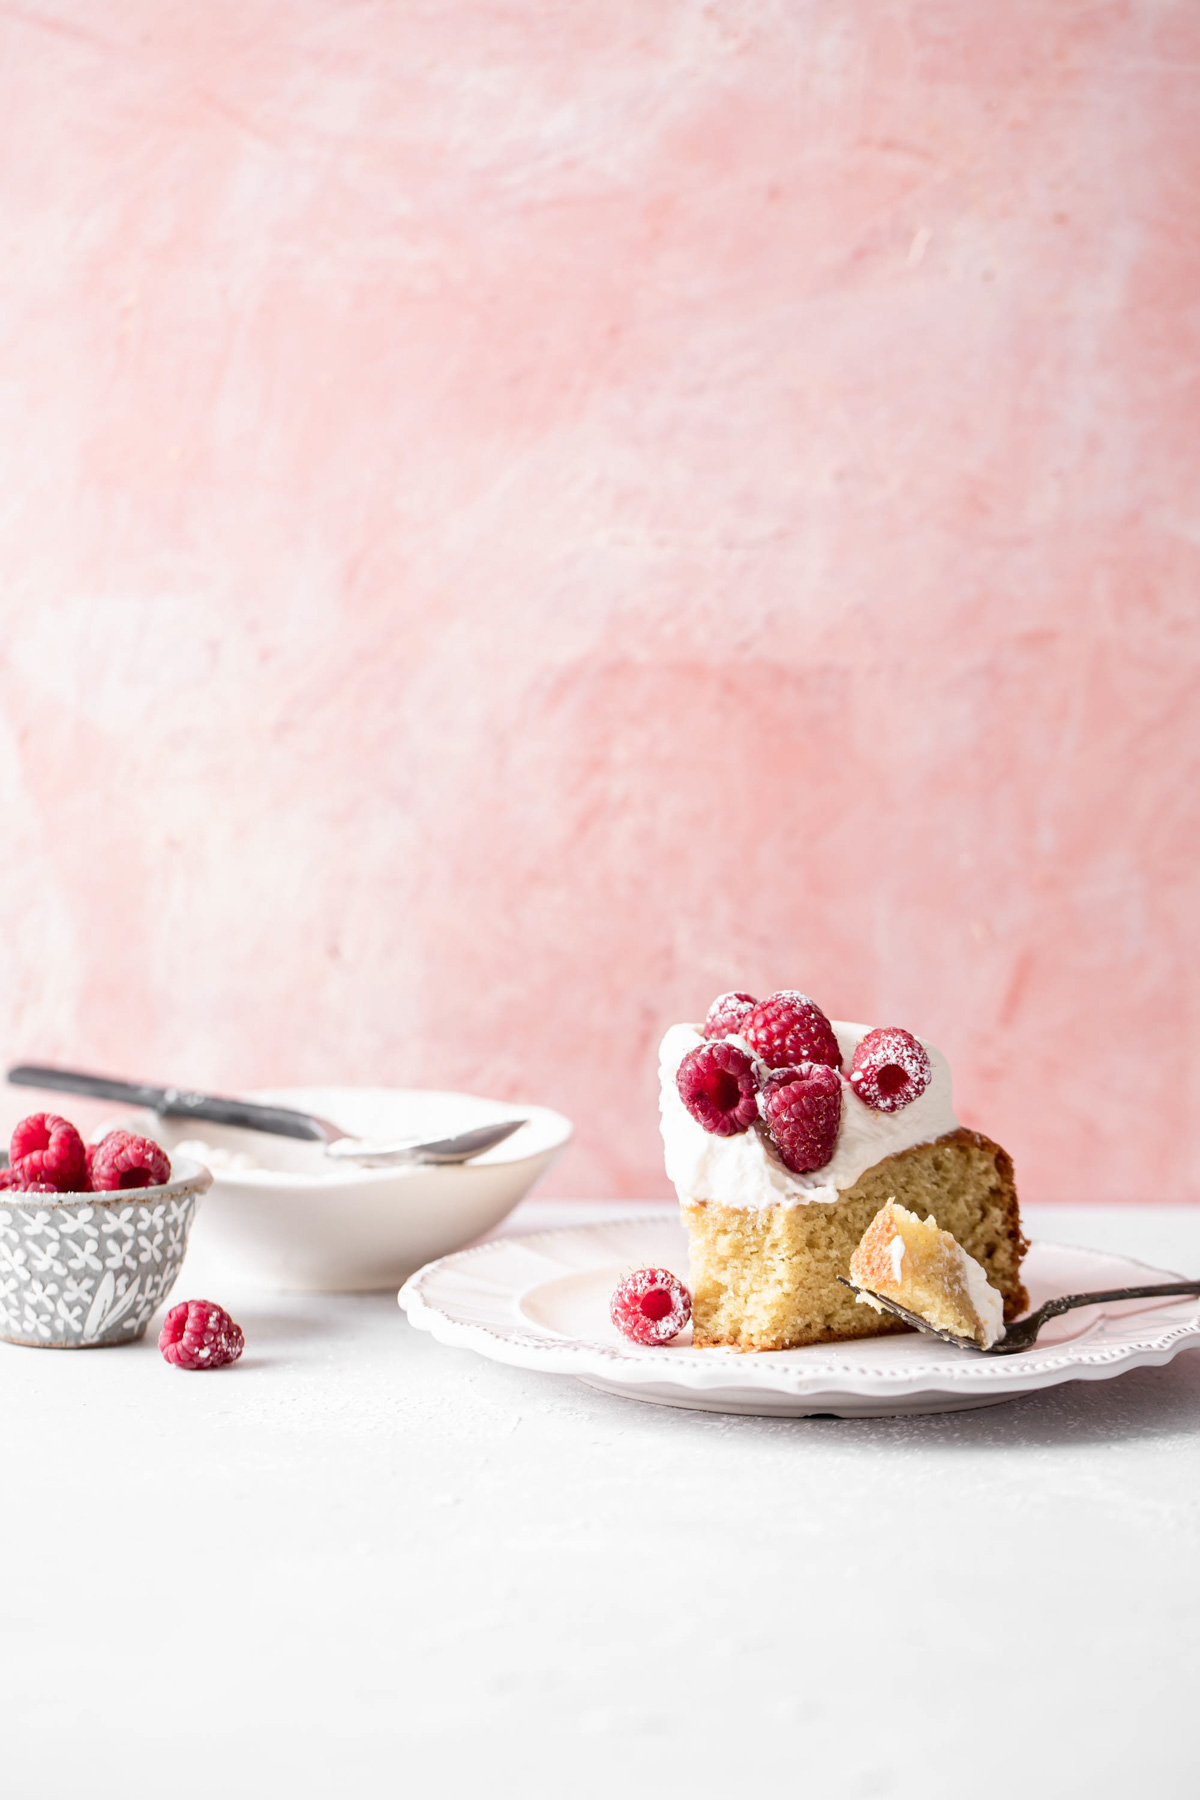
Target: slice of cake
[
  {"x": 785, "y": 1133},
  {"x": 922, "y": 1268}
]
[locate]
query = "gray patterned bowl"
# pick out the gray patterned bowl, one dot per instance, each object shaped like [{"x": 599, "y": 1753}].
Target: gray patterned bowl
[{"x": 81, "y": 1270}]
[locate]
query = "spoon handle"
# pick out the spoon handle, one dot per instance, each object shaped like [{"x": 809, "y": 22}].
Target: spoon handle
[
  {"x": 99, "y": 1087},
  {"x": 173, "y": 1103}
]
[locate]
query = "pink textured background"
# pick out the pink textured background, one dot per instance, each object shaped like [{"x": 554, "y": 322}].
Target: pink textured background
[{"x": 516, "y": 518}]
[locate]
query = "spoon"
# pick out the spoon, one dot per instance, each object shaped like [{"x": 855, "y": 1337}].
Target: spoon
[
  {"x": 281, "y": 1121},
  {"x": 1022, "y": 1334}
]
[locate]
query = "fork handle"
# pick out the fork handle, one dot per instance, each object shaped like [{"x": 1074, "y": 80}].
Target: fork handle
[
  {"x": 1022, "y": 1335},
  {"x": 1066, "y": 1302}
]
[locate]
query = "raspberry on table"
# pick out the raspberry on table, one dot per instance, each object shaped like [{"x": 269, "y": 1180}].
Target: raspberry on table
[
  {"x": 803, "y": 1109},
  {"x": 787, "y": 1029},
  {"x": 125, "y": 1160},
  {"x": 891, "y": 1069},
  {"x": 47, "y": 1148},
  {"x": 651, "y": 1306},
  {"x": 196, "y": 1334},
  {"x": 717, "y": 1084},
  {"x": 727, "y": 1014}
]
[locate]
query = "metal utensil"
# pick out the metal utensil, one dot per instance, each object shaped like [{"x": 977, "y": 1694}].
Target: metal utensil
[
  {"x": 280, "y": 1121},
  {"x": 1023, "y": 1333}
]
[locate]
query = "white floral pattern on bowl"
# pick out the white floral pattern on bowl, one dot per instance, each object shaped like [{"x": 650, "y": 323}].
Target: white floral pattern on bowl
[{"x": 82, "y": 1270}]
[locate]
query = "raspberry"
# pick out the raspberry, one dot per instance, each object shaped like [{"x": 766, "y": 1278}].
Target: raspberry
[
  {"x": 198, "y": 1335},
  {"x": 788, "y": 1029},
  {"x": 10, "y": 1180},
  {"x": 890, "y": 1069},
  {"x": 716, "y": 1083},
  {"x": 47, "y": 1148},
  {"x": 650, "y": 1306},
  {"x": 727, "y": 1013},
  {"x": 803, "y": 1108},
  {"x": 124, "y": 1160}
]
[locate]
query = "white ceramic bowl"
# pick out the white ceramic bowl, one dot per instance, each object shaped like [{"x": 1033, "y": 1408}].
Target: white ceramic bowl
[{"x": 301, "y": 1221}]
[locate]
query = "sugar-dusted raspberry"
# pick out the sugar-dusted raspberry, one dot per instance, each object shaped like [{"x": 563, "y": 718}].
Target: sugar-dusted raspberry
[
  {"x": 891, "y": 1069},
  {"x": 727, "y": 1014},
  {"x": 717, "y": 1084},
  {"x": 198, "y": 1335},
  {"x": 651, "y": 1306},
  {"x": 47, "y": 1148},
  {"x": 803, "y": 1108},
  {"x": 124, "y": 1160},
  {"x": 789, "y": 1028},
  {"x": 10, "y": 1181}
]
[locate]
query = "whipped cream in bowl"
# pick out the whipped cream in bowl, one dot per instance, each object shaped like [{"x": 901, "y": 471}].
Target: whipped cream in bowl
[{"x": 747, "y": 1170}]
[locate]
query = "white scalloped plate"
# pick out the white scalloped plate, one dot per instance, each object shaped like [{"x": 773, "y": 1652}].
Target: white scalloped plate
[{"x": 541, "y": 1302}]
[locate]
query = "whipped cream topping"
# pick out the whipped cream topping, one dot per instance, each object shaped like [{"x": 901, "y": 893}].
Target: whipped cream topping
[
  {"x": 747, "y": 1170},
  {"x": 987, "y": 1300}
]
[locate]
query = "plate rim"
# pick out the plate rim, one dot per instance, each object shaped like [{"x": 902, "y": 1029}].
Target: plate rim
[{"x": 637, "y": 1366}]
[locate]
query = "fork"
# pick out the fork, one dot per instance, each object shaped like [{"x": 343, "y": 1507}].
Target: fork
[{"x": 1023, "y": 1333}]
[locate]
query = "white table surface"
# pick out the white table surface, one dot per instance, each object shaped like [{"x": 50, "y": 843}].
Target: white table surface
[{"x": 362, "y": 1563}]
